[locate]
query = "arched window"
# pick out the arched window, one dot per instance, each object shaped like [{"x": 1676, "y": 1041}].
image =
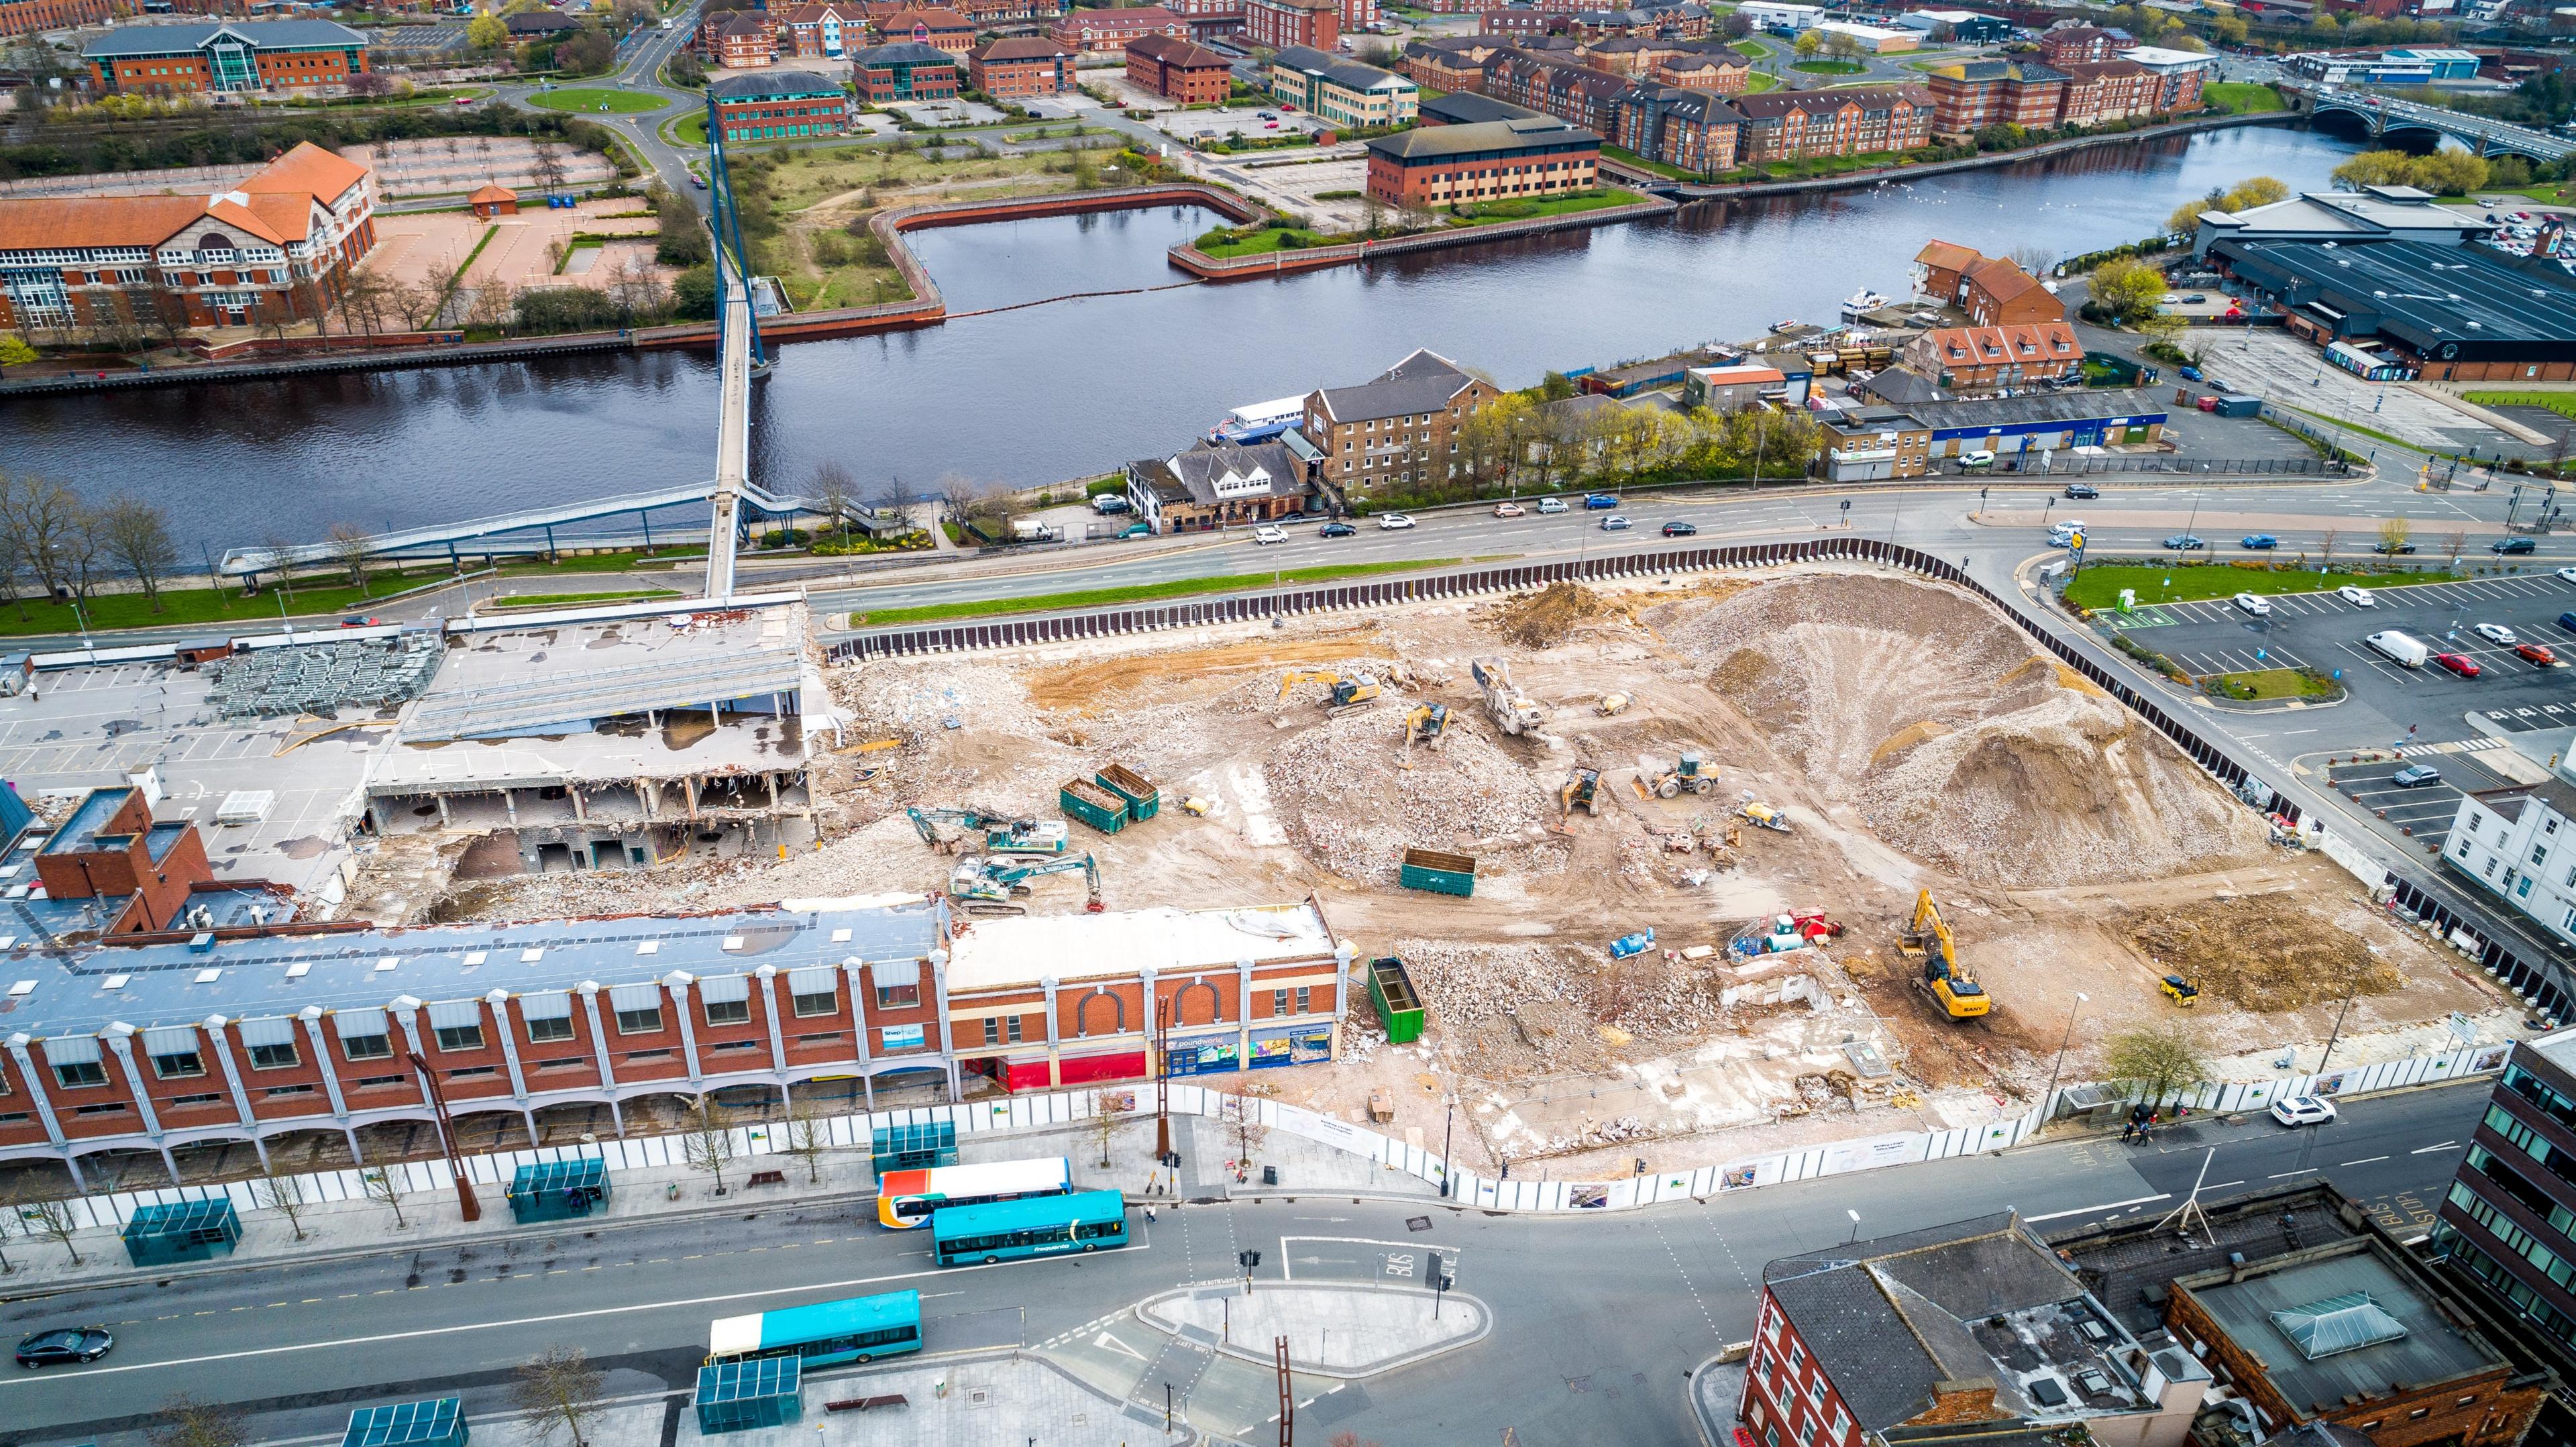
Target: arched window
[
  {"x": 1190, "y": 991},
  {"x": 214, "y": 241},
  {"x": 1116, "y": 1015}
]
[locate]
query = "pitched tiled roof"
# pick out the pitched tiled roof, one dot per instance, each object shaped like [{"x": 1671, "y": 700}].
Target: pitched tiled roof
[
  {"x": 2003, "y": 346},
  {"x": 902, "y": 52},
  {"x": 40, "y": 223},
  {"x": 1948, "y": 256},
  {"x": 1171, "y": 50},
  {"x": 774, "y": 85},
  {"x": 1349, "y": 74},
  {"x": 1423, "y": 382},
  {"x": 932, "y": 19},
  {"x": 1775, "y": 104},
  {"x": 309, "y": 170},
  {"x": 1999, "y": 278},
  {"x": 493, "y": 191}
]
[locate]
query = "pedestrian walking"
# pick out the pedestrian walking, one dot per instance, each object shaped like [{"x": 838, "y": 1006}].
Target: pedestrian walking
[{"x": 1149, "y": 1215}]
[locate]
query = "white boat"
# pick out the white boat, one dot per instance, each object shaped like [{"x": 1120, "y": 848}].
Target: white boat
[{"x": 1861, "y": 303}]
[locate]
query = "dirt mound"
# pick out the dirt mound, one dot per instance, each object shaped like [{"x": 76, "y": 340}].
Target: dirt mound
[
  {"x": 1543, "y": 619},
  {"x": 1953, "y": 738},
  {"x": 1529, "y": 1009},
  {"x": 1348, "y": 804},
  {"x": 2265, "y": 952}
]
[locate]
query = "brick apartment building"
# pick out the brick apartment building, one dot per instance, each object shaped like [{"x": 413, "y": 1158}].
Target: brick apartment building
[
  {"x": 1021, "y": 65},
  {"x": 1106, "y": 32},
  {"x": 1209, "y": 19},
  {"x": 276, "y": 246},
  {"x": 1180, "y": 71},
  {"x": 1972, "y": 94},
  {"x": 1694, "y": 130},
  {"x": 1280, "y": 24},
  {"x": 1399, "y": 429},
  {"x": 1563, "y": 88},
  {"x": 738, "y": 39},
  {"x": 2108, "y": 90},
  {"x": 1019, "y": 16},
  {"x": 1974, "y": 360},
  {"x": 1855, "y": 121},
  {"x": 939, "y": 28},
  {"x": 236, "y": 55},
  {"x": 819, "y": 32},
  {"x": 779, "y": 105},
  {"x": 2076, "y": 45},
  {"x": 1449, "y": 63},
  {"x": 1520, "y": 23},
  {"x": 22, "y": 17},
  {"x": 1482, "y": 161},
  {"x": 905, "y": 71},
  {"x": 1992, "y": 290}
]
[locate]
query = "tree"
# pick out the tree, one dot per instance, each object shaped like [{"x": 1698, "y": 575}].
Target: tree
[
  {"x": 1736, "y": 26},
  {"x": 283, "y": 1193},
  {"x": 558, "y": 1394},
  {"x": 138, "y": 538},
  {"x": 38, "y": 515},
  {"x": 278, "y": 546},
  {"x": 2253, "y": 191},
  {"x": 2326, "y": 547},
  {"x": 2449, "y": 173},
  {"x": 1842, "y": 46},
  {"x": 1242, "y": 1111},
  {"x": 835, "y": 492},
  {"x": 548, "y": 167},
  {"x": 13, "y": 570},
  {"x": 384, "y": 1184},
  {"x": 186, "y": 1421},
  {"x": 1809, "y": 42},
  {"x": 2126, "y": 289},
  {"x": 14, "y": 350},
  {"x": 587, "y": 53},
  {"x": 2393, "y": 533},
  {"x": 352, "y": 546},
  {"x": 2164, "y": 328},
  {"x": 808, "y": 1138},
  {"x": 707, "y": 1139},
  {"x": 47, "y": 1216},
  {"x": 2159, "y": 1060},
  {"x": 487, "y": 32},
  {"x": 2451, "y": 547},
  {"x": 2374, "y": 168},
  {"x": 2033, "y": 258}
]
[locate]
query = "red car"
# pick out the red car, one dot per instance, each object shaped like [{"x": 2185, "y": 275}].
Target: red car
[
  {"x": 2536, "y": 653},
  {"x": 2459, "y": 663}
]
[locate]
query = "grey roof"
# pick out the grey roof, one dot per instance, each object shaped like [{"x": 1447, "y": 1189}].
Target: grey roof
[
  {"x": 2378, "y": 212},
  {"x": 2430, "y": 1352},
  {"x": 1422, "y": 382},
  {"x": 771, "y": 85},
  {"x": 254, "y": 978},
  {"x": 1466, "y": 108},
  {"x": 904, "y": 52},
  {"x": 1198, "y": 469},
  {"x": 2424, "y": 295},
  {"x": 539, "y": 22},
  {"x": 2128, "y": 1264},
  {"x": 1349, "y": 74},
  {"x": 1904, "y": 388},
  {"x": 262, "y": 35},
  {"x": 1483, "y": 138},
  {"x": 2040, "y": 407}
]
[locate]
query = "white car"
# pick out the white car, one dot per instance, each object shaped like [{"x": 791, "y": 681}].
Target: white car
[
  {"x": 2254, "y": 603},
  {"x": 1558, "y": 504},
  {"x": 2567, "y": 575},
  {"x": 1394, "y": 521},
  {"x": 2497, "y": 633},
  {"x": 1979, "y": 458},
  {"x": 1266, "y": 533},
  {"x": 2303, "y": 1110},
  {"x": 2357, "y": 597}
]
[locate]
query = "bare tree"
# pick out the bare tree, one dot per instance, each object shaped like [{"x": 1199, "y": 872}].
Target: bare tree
[
  {"x": 706, "y": 1141},
  {"x": 194, "y": 1422},
  {"x": 39, "y": 515},
  {"x": 138, "y": 538},
  {"x": 809, "y": 1138},
  {"x": 83, "y": 549},
  {"x": 2325, "y": 548},
  {"x": 282, "y": 1192},
  {"x": 1241, "y": 1110},
  {"x": 280, "y": 548},
  {"x": 2451, "y": 547},
  {"x": 834, "y": 491},
  {"x": 13, "y": 571},
  {"x": 7, "y": 1266},
  {"x": 353, "y": 547},
  {"x": 384, "y": 1185},
  {"x": 47, "y": 1216},
  {"x": 2034, "y": 258},
  {"x": 548, "y": 167},
  {"x": 558, "y": 1393},
  {"x": 1108, "y": 1108}
]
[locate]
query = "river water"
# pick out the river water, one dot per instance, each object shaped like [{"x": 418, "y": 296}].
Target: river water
[{"x": 1072, "y": 387}]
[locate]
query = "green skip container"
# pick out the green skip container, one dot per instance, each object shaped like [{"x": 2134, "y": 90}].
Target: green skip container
[
  {"x": 1093, "y": 805},
  {"x": 1439, "y": 873},
  {"x": 1144, "y": 800},
  {"x": 1397, "y": 1005}
]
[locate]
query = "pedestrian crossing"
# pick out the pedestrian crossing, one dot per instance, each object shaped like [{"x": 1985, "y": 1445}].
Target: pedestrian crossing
[{"x": 2453, "y": 746}]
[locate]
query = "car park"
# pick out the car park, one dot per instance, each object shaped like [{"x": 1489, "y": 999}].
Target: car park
[
  {"x": 1393, "y": 522},
  {"x": 1336, "y": 530},
  {"x": 2459, "y": 663},
  {"x": 1508, "y": 510},
  {"x": 1681, "y": 530},
  {"x": 2507, "y": 547},
  {"x": 2258, "y": 541},
  {"x": 2298, "y": 1110},
  {"x": 2538, "y": 655},
  {"x": 1110, "y": 504},
  {"x": 2186, "y": 543},
  {"x": 2173, "y": 298},
  {"x": 1600, "y": 499},
  {"x": 65, "y": 1346},
  {"x": 2497, "y": 633},
  {"x": 2415, "y": 776},
  {"x": 2254, "y": 603},
  {"x": 1614, "y": 524},
  {"x": 2399, "y": 647},
  {"x": 1553, "y": 504},
  {"x": 1269, "y": 533},
  {"x": 2082, "y": 491}
]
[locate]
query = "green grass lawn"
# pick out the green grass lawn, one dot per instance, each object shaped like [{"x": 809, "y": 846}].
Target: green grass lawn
[
  {"x": 2551, "y": 192},
  {"x": 1093, "y": 597},
  {"x": 568, "y": 600},
  {"x": 1760, "y": 81},
  {"x": 2243, "y": 97},
  {"x": 2271, "y": 683},
  {"x": 1630, "y": 158},
  {"x": 1829, "y": 67},
  {"x": 690, "y": 129},
  {"x": 193, "y": 605},
  {"x": 1523, "y": 210},
  {"x": 1748, "y": 46},
  {"x": 2099, "y": 585},
  {"x": 591, "y": 98},
  {"x": 2562, "y": 403},
  {"x": 1264, "y": 241}
]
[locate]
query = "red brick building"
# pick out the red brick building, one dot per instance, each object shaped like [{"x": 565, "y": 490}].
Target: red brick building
[
  {"x": 1449, "y": 62},
  {"x": 1562, "y": 88},
  {"x": 1972, "y": 360},
  {"x": 1970, "y": 95},
  {"x": 738, "y": 39},
  {"x": 825, "y": 31},
  {"x": 939, "y": 29},
  {"x": 2076, "y": 44},
  {"x": 230, "y": 56},
  {"x": 1485, "y": 161},
  {"x": 1024, "y": 65},
  {"x": 1706, "y": 68},
  {"x": 1180, "y": 71},
  {"x": 1695, "y": 130},
  {"x": 905, "y": 71},
  {"x": 1279, "y": 24},
  {"x": 1209, "y": 19},
  {"x": 20, "y": 17},
  {"x": 1020, "y": 16},
  {"x": 779, "y": 105},
  {"x": 1522, "y": 23},
  {"x": 2108, "y": 90},
  {"x": 1106, "y": 32}
]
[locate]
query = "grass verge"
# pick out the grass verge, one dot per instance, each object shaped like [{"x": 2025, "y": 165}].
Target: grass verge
[
  {"x": 2562, "y": 403},
  {"x": 1137, "y": 593},
  {"x": 2099, "y": 584},
  {"x": 2348, "y": 425},
  {"x": 2243, "y": 98},
  {"x": 2269, "y": 683},
  {"x": 569, "y": 600},
  {"x": 589, "y": 100},
  {"x": 1829, "y": 67}
]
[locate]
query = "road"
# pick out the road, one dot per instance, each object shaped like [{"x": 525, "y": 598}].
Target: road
[
  {"x": 640, "y": 71},
  {"x": 1598, "y": 1318}
]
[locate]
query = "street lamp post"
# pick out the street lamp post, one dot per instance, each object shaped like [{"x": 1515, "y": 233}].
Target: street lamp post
[{"x": 1448, "y": 1136}]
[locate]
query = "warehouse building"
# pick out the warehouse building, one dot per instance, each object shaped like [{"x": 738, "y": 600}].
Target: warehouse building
[
  {"x": 2046, "y": 422},
  {"x": 2452, "y": 313}
]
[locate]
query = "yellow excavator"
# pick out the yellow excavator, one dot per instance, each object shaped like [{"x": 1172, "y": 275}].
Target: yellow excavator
[
  {"x": 1423, "y": 724},
  {"x": 1581, "y": 790},
  {"x": 1347, "y": 692},
  {"x": 1944, "y": 978}
]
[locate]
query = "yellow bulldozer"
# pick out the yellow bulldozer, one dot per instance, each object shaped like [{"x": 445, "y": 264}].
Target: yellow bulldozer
[
  {"x": 1944, "y": 978},
  {"x": 1581, "y": 790},
  {"x": 1348, "y": 692}
]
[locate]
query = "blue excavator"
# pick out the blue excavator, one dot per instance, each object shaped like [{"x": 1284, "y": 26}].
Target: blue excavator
[
  {"x": 982, "y": 884},
  {"x": 1003, "y": 834}
]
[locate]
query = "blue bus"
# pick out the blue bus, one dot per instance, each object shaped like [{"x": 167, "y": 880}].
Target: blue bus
[
  {"x": 858, "y": 1330},
  {"x": 1039, "y": 1226}
]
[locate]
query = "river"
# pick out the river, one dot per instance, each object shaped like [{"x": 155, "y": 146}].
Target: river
[{"x": 1058, "y": 390}]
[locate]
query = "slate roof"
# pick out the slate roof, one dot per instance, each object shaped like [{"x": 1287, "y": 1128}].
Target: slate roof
[
  {"x": 1466, "y": 107},
  {"x": 1033, "y": 47},
  {"x": 1901, "y": 387},
  {"x": 1174, "y": 51},
  {"x": 1422, "y": 382},
  {"x": 1199, "y": 468},
  {"x": 1349, "y": 74},
  {"x": 2041, "y": 407},
  {"x": 772, "y": 85},
  {"x": 262, "y": 35},
  {"x": 902, "y": 52},
  {"x": 1481, "y": 137}
]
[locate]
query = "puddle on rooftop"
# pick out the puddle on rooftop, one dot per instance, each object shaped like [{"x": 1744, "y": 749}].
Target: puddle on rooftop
[{"x": 309, "y": 846}]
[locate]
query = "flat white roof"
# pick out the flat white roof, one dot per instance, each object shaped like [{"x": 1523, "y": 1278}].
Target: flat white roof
[
  {"x": 1016, "y": 952},
  {"x": 2559, "y": 1046},
  {"x": 1866, "y": 32},
  {"x": 2156, "y": 57}
]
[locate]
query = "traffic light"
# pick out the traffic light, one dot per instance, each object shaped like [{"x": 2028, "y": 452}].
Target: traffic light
[{"x": 1247, "y": 1259}]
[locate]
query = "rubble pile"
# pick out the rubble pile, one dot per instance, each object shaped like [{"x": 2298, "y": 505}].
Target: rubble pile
[
  {"x": 2266, "y": 952},
  {"x": 1545, "y": 618},
  {"x": 884, "y": 857},
  {"x": 1348, "y": 806}
]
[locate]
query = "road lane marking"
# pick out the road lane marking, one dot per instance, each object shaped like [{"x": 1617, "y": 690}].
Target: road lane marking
[
  {"x": 2106, "y": 1206},
  {"x": 2428, "y": 1150},
  {"x": 2223, "y": 1185},
  {"x": 2285, "y": 1175},
  {"x": 2365, "y": 1160}
]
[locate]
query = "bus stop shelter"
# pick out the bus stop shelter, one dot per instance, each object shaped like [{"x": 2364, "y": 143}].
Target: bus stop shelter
[
  {"x": 559, "y": 1190},
  {"x": 183, "y": 1231},
  {"x": 739, "y": 1396},
  {"x": 439, "y": 1422},
  {"x": 914, "y": 1147}
]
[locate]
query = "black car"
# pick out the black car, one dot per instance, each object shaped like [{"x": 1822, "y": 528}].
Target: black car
[
  {"x": 2502, "y": 546},
  {"x": 1681, "y": 530},
  {"x": 2392, "y": 550},
  {"x": 65, "y": 1346},
  {"x": 1335, "y": 530},
  {"x": 2082, "y": 490}
]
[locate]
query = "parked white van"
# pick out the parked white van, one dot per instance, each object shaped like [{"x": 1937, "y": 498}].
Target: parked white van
[{"x": 2403, "y": 649}]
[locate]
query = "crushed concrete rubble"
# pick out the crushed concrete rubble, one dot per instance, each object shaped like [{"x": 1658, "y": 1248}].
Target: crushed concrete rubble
[{"x": 1348, "y": 806}]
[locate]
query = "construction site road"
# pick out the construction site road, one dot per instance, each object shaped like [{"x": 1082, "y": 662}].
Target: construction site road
[{"x": 1598, "y": 1319}]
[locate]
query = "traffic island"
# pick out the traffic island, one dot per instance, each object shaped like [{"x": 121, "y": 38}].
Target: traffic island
[{"x": 1336, "y": 1330}]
